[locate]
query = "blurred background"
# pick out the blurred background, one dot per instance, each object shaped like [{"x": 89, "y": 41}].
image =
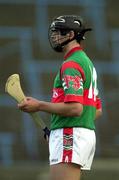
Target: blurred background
[{"x": 25, "y": 49}]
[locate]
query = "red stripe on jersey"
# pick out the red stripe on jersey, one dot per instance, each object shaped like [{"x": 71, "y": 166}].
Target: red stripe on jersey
[
  {"x": 98, "y": 103},
  {"x": 84, "y": 99},
  {"x": 78, "y": 48},
  {"x": 67, "y": 144},
  {"x": 58, "y": 95},
  {"x": 72, "y": 64},
  {"x": 87, "y": 100},
  {"x": 73, "y": 98}
]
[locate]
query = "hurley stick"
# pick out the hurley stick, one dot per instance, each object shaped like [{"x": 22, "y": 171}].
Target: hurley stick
[{"x": 13, "y": 88}]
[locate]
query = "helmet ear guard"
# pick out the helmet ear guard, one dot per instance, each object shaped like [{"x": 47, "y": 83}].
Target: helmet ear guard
[
  {"x": 65, "y": 24},
  {"x": 80, "y": 36}
]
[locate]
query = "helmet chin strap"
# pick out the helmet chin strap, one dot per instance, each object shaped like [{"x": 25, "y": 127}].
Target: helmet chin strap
[{"x": 59, "y": 48}]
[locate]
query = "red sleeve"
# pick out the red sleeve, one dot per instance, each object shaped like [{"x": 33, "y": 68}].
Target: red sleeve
[
  {"x": 98, "y": 103},
  {"x": 74, "y": 65}
]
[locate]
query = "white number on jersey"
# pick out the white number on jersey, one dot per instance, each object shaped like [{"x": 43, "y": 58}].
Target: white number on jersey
[{"x": 93, "y": 91}]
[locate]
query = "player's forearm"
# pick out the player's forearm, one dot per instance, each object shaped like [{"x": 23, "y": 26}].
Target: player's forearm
[{"x": 63, "y": 109}]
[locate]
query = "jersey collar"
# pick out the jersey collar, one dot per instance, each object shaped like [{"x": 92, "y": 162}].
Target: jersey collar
[{"x": 78, "y": 48}]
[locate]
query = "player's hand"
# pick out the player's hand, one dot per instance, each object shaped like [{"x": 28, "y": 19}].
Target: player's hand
[{"x": 29, "y": 105}]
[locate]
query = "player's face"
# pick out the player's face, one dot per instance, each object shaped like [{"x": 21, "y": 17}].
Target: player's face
[{"x": 57, "y": 38}]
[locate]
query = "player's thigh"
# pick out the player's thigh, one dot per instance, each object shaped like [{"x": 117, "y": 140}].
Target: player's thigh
[{"x": 65, "y": 171}]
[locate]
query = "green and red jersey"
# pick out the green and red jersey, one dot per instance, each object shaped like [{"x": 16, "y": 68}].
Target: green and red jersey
[{"x": 76, "y": 81}]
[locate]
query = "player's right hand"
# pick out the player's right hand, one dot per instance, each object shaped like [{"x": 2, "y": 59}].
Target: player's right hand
[{"x": 29, "y": 105}]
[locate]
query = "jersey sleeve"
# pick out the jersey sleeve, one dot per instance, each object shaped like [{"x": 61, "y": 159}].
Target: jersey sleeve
[
  {"x": 98, "y": 103},
  {"x": 72, "y": 82}
]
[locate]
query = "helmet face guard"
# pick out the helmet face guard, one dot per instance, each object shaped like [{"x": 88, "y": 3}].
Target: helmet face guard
[
  {"x": 58, "y": 39},
  {"x": 55, "y": 40},
  {"x": 61, "y": 26}
]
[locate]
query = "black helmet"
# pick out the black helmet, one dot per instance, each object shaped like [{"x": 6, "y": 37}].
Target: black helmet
[{"x": 64, "y": 24}]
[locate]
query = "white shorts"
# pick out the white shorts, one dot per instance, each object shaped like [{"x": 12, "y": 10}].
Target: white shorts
[{"x": 72, "y": 145}]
